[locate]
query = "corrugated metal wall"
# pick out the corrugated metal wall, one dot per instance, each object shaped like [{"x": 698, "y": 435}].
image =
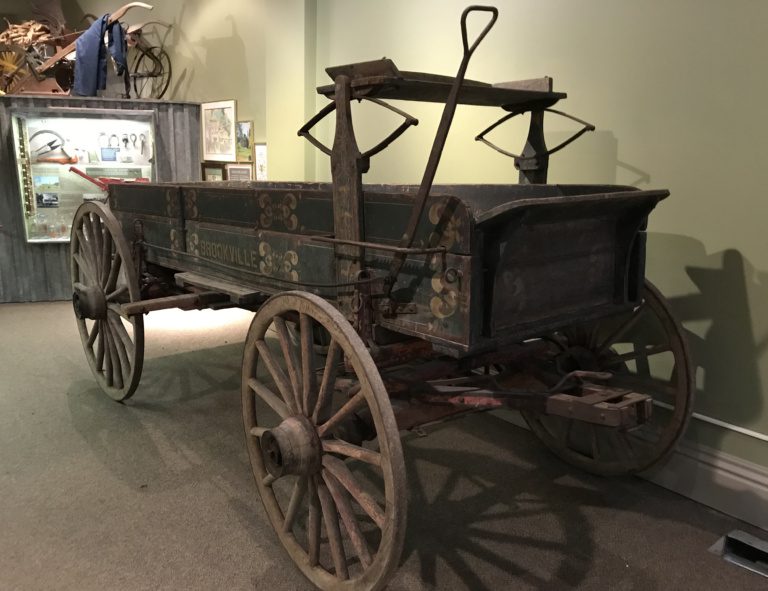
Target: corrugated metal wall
[{"x": 39, "y": 272}]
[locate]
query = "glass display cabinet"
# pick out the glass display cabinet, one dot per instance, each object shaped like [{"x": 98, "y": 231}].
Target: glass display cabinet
[{"x": 67, "y": 155}]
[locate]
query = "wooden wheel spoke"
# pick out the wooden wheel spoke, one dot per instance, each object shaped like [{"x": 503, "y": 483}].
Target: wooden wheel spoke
[
  {"x": 622, "y": 446},
  {"x": 114, "y": 356},
  {"x": 98, "y": 244},
  {"x": 257, "y": 431},
  {"x": 278, "y": 376},
  {"x": 108, "y": 367},
  {"x": 123, "y": 343},
  {"x": 270, "y": 398},
  {"x": 93, "y": 334},
  {"x": 292, "y": 363},
  {"x": 112, "y": 296},
  {"x": 297, "y": 496},
  {"x": 348, "y": 517},
  {"x": 328, "y": 382},
  {"x": 352, "y": 451},
  {"x": 106, "y": 257},
  {"x": 565, "y": 432},
  {"x": 643, "y": 352},
  {"x": 313, "y": 524},
  {"x": 622, "y": 329},
  {"x": 341, "y": 472},
  {"x": 357, "y": 401},
  {"x": 114, "y": 272},
  {"x": 85, "y": 267},
  {"x": 331, "y": 521},
  {"x": 594, "y": 444},
  {"x": 100, "y": 346},
  {"x": 308, "y": 376}
]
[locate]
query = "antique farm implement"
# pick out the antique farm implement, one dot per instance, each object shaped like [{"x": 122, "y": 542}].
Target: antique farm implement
[{"x": 382, "y": 308}]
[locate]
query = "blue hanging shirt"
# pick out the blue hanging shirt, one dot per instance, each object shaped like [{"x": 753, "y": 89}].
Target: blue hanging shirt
[{"x": 91, "y": 56}]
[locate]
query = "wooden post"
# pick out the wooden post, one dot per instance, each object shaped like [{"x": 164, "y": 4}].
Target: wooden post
[
  {"x": 535, "y": 161},
  {"x": 347, "y": 168}
]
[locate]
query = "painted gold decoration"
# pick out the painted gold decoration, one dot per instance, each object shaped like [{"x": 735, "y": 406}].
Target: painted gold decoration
[
  {"x": 448, "y": 225},
  {"x": 190, "y": 204},
  {"x": 176, "y": 243},
  {"x": 171, "y": 203},
  {"x": 284, "y": 211},
  {"x": 278, "y": 264},
  {"x": 193, "y": 244},
  {"x": 446, "y": 287}
]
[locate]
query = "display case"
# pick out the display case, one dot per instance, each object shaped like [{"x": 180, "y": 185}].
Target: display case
[{"x": 67, "y": 155}]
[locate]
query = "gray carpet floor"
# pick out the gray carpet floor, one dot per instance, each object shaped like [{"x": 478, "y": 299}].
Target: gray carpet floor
[{"x": 158, "y": 494}]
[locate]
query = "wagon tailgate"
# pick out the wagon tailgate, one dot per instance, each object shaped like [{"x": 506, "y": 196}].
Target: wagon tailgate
[{"x": 556, "y": 260}]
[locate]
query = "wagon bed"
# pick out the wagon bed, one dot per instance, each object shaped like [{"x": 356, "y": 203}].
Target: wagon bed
[{"x": 493, "y": 252}]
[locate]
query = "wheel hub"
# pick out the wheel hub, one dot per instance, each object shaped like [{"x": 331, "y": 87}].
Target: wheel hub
[
  {"x": 292, "y": 447},
  {"x": 89, "y": 302}
]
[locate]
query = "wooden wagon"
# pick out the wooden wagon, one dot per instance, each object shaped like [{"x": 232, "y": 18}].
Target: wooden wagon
[{"x": 380, "y": 308}]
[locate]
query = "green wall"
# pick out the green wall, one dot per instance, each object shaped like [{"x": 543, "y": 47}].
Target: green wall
[{"x": 675, "y": 88}]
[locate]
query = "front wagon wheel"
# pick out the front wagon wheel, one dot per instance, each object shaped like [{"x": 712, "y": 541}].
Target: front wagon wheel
[
  {"x": 323, "y": 444},
  {"x": 646, "y": 352},
  {"x": 103, "y": 278}
]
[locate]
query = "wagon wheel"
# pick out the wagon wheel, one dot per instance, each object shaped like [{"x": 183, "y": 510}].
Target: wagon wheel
[
  {"x": 647, "y": 353},
  {"x": 323, "y": 444},
  {"x": 151, "y": 73},
  {"x": 13, "y": 67},
  {"x": 103, "y": 278}
]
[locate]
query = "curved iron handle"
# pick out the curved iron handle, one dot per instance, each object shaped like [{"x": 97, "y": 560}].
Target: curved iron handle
[
  {"x": 330, "y": 107},
  {"x": 319, "y": 116},
  {"x": 493, "y": 10},
  {"x": 439, "y": 142},
  {"x": 481, "y": 136}
]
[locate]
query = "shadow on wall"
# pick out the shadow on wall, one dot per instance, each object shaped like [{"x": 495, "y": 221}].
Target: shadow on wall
[
  {"x": 719, "y": 322},
  {"x": 594, "y": 159},
  {"x": 206, "y": 68}
]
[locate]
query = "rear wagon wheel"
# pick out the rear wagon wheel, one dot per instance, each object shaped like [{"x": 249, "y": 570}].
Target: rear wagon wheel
[
  {"x": 646, "y": 351},
  {"x": 103, "y": 278}
]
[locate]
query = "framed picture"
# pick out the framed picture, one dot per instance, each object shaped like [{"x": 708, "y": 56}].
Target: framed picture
[
  {"x": 260, "y": 157},
  {"x": 213, "y": 171},
  {"x": 218, "y": 131},
  {"x": 244, "y": 134},
  {"x": 239, "y": 172}
]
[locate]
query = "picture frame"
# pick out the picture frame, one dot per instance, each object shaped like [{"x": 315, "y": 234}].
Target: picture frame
[
  {"x": 244, "y": 138},
  {"x": 260, "y": 161},
  {"x": 218, "y": 123},
  {"x": 213, "y": 171},
  {"x": 239, "y": 171}
]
